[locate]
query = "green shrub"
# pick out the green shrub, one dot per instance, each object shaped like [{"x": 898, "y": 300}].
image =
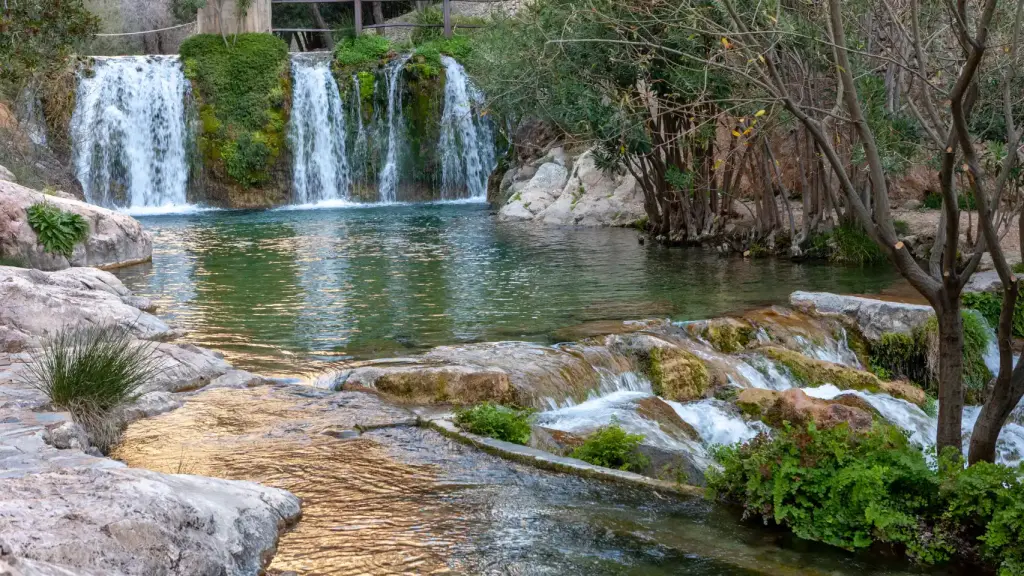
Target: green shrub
[
  {"x": 91, "y": 372},
  {"x": 612, "y": 447},
  {"x": 243, "y": 90},
  {"x": 853, "y": 246},
  {"x": 433, "y": 16},
  {"x": 933, "y": 201},
  {"x": 991, "y": 306},
  {"x": 361, "y": 50},
  {"x": 902, "y": 227},
  {"x": 853, "y": 489},
  {"x": 496, "y": 421},
  {"x": 1018, "y": 268},
  {"x": 58, "y": 231}
]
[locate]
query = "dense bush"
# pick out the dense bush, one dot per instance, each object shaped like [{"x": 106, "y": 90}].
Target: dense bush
[
  {"x": 39, "y": 35},
  {"x": 362, "y": 50},
  {"x": 612, "y": 447},
  {"x": 853, "y": 489},
  {"x": 58, "y": 231},
  {"x": 243, "y": 88},
  {"x": 496, "y": 421}
]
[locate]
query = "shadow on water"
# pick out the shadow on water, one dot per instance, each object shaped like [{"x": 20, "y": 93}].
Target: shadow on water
[
  {"x": 280, "y": 291},
  {"x": 403, "y": 499}
]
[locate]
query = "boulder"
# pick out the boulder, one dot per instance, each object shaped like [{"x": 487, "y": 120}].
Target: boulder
[
  {"x": 727, "y": 335},
  {"x": 428, "y": 384},
  {"x": 987, "y": 281},
  {"x": 796, "y": 407},
  {"x": 66, "y": 435},
  {"x": 34, "y": 305},
  {"x": 114, "y": 239},
  {"x": 151, "y": 404},
  {"x": 126, "y": 520},
  {"x": 871, "y": 317},
  {"x": 7, "y": 176},
  {"x": 238, "y": 379},
  {"x": 530, "y": 200},
  {"x": 675, "y": 373},
  {"x": 592, "y": 197},
  {"x": 185, "y": 367}
]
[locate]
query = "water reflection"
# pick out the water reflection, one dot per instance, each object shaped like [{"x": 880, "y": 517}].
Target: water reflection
[{"x": 275, "y": 290}]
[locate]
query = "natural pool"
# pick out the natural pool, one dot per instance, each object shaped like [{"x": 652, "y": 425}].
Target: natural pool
[{"x": 283, "y": 290}]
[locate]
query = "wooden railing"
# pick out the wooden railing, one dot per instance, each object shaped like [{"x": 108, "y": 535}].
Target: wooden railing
[{"x": 446, "y": 10}]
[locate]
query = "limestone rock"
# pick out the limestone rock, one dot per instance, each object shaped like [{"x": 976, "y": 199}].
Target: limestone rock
[
  {"x": 186, "y": 367},
  {"x": 987, "y": 281},
  {"x": 727, "y": 335},
  {"x": 872, "y": 317},
  {"x": 675, "y": 373},
  {"x": 593, "y": 198},
  {"x": 134, "y": 521},
  {"x": 6, "y": 175},
  {"x": 34, "y": 305},
  {"x": 67, "y": 435},
  {"x": 114, "y": 239},
  {"x": 545, "y": 186},
  {"x": 428, "y": 384},
  {"x": 151, "y": 404},
  {"x": 238, "y": 379},
  {"x": 796, "y": 407}
]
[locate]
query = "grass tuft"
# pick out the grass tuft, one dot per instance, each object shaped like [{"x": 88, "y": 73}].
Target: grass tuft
[{"x": 496, "y": 421}]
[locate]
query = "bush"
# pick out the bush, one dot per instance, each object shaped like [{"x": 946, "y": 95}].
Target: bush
[
  {"x": 902, "y": 227},
  {"x": 933, "y": 201},
  {"x": 91, "y": 372},
  {"x": 361, "y": 50},
  {"x": 853, "y": 489},
  {"x": 496, "y": 421},
  {"x": 58, "y": 231},
  {"x": 612, "y": 447},
  {"x": 853, "y": 246},
  {"x": 1018, "y": 268},
  {"x": 433, "y": 16}
]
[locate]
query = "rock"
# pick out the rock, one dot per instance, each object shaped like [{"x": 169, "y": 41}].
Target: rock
[
  {"x": 656, "y": 410},
  {"x": 912, "y": 204},
  {"x": 340, "y": 433},
  {"x": 727, "y": 335},
  {"x": 537, "y": 194},
  {"x": 34, "y": 305},
  {"x": 871, "y": 317},
  {"x": 238, "y": 379},
  {"x": 151, "y": 404},
  {"x": 186, "y": 367},
  {"x": 593, "y": 198},
  {"x": 7, "y": 176},
  {"x": 13, "y": 566},
  {"x": 812, "y": 372},
  {"x": 796, "y": 407},
  {"x": 114, "y": 239},
  {"x": 987, "y": 281},
  {"x": 134, "y": 521},
  {"x": 429, "y": 384},
  {"x": 67, "y": 435},
  {"x": 675, "y": 373}
]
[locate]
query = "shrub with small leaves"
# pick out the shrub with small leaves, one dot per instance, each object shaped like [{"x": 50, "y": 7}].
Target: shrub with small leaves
[
  {"x": 496, "y": 421},
  {"x": 613, "y": 447},
  {"x": 58, "y": 231}
]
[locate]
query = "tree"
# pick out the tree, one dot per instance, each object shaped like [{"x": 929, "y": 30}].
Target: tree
[{"x": 37, "y": 36}]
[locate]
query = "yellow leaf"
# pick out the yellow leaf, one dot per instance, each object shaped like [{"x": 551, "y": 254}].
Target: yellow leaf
[
  {"x": 761, "y": 58},
  {"x": 736, "y": 133},
  {"x": 759, "y": 114},
  {"x": 747, "y": 131},
  {"x": 718, "y": 164}
]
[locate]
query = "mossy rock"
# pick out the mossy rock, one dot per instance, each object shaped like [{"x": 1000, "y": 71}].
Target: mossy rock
[
  {"x": 812, "y": 372},
  {"x": 436, "y": 385},
  {"x": 794, "y": 406},
  {"x": 675, "y": 374},
  {"x": 727, "y": 335}
]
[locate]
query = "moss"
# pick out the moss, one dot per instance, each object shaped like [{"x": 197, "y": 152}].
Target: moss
[
  {"x": 243, "y": 89},
  {"x": 675, "y": 374},
  {"x": 361, "y": 53},
  {"x": 897, "y": 355},
  {"x": 367, "y": 85},
  {"x": 728, "y": 335}
]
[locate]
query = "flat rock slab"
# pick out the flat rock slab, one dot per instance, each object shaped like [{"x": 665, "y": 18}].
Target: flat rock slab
[
  {"x": 872, "y": 317},
  {"x": 114, "y": 239}
]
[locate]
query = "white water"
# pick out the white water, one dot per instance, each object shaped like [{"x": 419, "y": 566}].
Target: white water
[
  {"x": 361, "y": 144},
  {"x": 389, "y": 174},
  {"x": 715, "y": 424},
  {"x": 129, "y": 132},
  {"x": 317, "y": 133},
  {"x": 467, "y": 144}
]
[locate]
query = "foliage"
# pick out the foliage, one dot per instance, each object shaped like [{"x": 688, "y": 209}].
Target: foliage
[
  {"x": 848, "y": 244},
  {"x": 58, "y": 231},
  {"x": 1018, "y": 268},
  {"x": 612, "y": 447},
  {"x": 434, "y": 17},
  {"x": 243, "y": 89},
  {"x": 897, "y": 355},
  {"x": 37, "y": 36},
  {"x": 965, "y": 201},
  {"x": 902, "y": 227},
  {"x": 359, "y": 51},
  {"x": 991, "y": 306},
  {"x": 852, "y": 489},
  {"x": 458, "y": 47},
  {"x": 185, "y": 11},
  {"x": 496, "y": 421}
]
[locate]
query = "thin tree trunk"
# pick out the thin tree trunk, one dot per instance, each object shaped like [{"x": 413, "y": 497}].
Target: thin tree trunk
[
  {"x": 951, "y": 367},
  {"x": 378, "y": 14},
  {"x": 322, "y": 24}
]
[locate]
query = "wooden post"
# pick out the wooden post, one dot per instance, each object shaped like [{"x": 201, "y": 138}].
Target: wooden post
[
  {"x": 359, "y": 17},
  {"x": 447, "y": 9}
]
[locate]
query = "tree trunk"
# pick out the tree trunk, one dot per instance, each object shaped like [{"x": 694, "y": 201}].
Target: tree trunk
[
  {"x": 951, "y": 368},
  {"x": 322, "y": 24},
  {"x": 378, "y": 15}
]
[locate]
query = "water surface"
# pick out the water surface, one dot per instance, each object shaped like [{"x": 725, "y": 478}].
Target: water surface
[{"x": 280, "y": 291}]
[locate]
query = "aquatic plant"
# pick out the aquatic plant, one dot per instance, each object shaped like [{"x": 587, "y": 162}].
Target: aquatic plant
[
  {"x": 612, "y": 447},
  {"x": 496, "y": 421},
  {"x": 58, "y": 231}
]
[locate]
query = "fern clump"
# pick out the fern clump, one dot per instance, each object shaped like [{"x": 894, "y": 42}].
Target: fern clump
[
  {"x": 58, "y": 231},
  {"x": 613, "y": 447}
]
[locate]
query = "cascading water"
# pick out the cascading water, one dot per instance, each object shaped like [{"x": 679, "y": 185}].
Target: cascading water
[
  {"x": 467, "y": 142},
  {"x": 389, "y": 174},
  {"x": 129, "y": 132},
  {"x": 321, "y": 169},
  {"x": 361, "y": 143}
]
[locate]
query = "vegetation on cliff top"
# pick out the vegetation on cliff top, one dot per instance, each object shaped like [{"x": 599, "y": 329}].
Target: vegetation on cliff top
[
  {"x": 854, "y": 489},
  {"x": 243, "y": 89}
]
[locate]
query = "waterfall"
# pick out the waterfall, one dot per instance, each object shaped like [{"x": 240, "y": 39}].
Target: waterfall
[
  {"x": 467, "y": 141},
  {"x": 389, "y": 175},
  {"x": 129, "y": 132},
  {"x": 361, "y": 146},
  {"x": 317, "y": 133}
]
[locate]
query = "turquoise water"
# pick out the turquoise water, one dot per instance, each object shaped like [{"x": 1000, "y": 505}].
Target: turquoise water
[{"x": 282, "y": 291}]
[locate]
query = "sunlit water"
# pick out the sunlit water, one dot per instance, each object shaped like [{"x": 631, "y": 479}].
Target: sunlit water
[{"x": 280, "y": 291}]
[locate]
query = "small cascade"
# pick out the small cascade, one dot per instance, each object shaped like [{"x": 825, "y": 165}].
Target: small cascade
[
  {"x": 716, "y": 424},
  {"x": 129, "y": 132},
  {"x": 395, "y": 130},
  {"x": 467, "y": 142},
  {"x": 317, "y": 133},
  {"x": 361, "y": 143}
]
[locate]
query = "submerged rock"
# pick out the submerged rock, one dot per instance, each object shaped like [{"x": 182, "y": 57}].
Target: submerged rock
[{"x": 114, "y": 239}]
